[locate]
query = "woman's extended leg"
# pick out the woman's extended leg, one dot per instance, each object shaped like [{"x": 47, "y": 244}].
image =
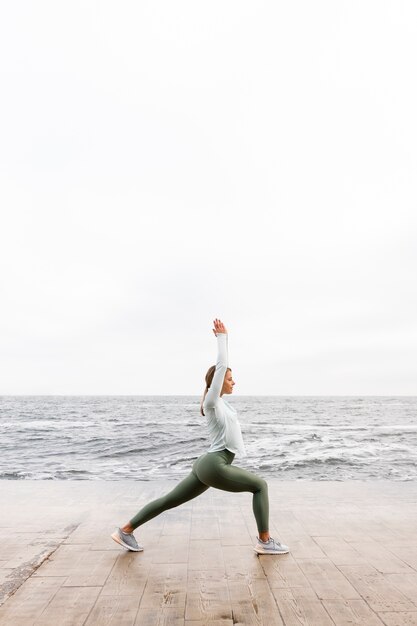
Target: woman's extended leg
[{"x": 187, "y": 489}]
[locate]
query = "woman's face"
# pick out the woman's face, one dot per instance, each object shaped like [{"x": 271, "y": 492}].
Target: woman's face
[{"x": 228, "y": 383}]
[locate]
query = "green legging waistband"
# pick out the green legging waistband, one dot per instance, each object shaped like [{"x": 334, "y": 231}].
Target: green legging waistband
[{"x": 212, "y": 469}]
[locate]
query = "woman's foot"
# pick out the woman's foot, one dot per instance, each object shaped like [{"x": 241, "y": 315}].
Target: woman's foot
[
  {"x": 127, "y": 540},
  {"x": 270, "y": 547}
]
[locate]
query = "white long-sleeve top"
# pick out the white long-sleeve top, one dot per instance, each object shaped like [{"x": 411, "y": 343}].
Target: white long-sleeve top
[{"x": 223, "y": 424}]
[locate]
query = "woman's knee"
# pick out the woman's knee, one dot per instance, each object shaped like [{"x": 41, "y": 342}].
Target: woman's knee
[{"x": 262, "y": 484}]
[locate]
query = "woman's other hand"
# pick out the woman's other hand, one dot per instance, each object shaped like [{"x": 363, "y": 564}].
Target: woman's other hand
[{"x": 219, "y": 327}]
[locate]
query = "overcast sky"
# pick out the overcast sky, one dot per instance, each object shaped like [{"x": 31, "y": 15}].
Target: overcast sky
[{"x": 166, "y": 163}]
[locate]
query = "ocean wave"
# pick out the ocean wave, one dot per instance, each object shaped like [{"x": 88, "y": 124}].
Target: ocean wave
[
  {"x": 330, "y": 460},
  {"x": 13, "y": 475},
  {"x": 307, "y": 437}
]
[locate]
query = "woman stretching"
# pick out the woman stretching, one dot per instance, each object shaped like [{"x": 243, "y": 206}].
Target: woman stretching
[{"x": 214, "y": 468}]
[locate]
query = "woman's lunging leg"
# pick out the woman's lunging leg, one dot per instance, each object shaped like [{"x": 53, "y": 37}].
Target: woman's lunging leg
[
  {"x": 223, "y": 476},
  {"x": 187, "y": 489},
  {"x": 237, "y": 479}
]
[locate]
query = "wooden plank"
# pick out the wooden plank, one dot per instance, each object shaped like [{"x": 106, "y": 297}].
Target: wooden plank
[
  {"x": 70, "y": 605},
  {"x": 65, "y": 559},
  {"x": 23, "y": 564},
  {"x": 253, "y": 603},
  {"x": 301, "y": 607},
  {"x": 406, "y": 583},
  {"x": 314, "y": 520},
  {"x": 160, "y": 617},
  {"x": 375, "y": 589},
  {"x": 242, "y": 562},
  {"x": 215, "y": 622},
  {"x": 205, "y": 554},
  {"x": 168, "y": 549},
  {"x": 284, "y": 523},
  {"x": 128, "y": 576},
  {"x": 347, "y": 612},
  {"x": 304, "y": 547},
  {"x": 207, "y": 596},
  {"x": 91, "y": 570},
  {"x": 6, "y": 575},
  {"x": 235, "y": 535},
  {"x": 83, "y": 567},
  {"x": 406, "y": 552},
  {"x": 93, "y": 534},
  {"x": 114, "y": 611},
  {"x": 166, "y": 586},
  {"x": 177, "y": 522},
  {"x": 407, "y": 540},
  {"x": 326, "y": 579},
  {"x": 205, "y": 527},
  {"x": 339, "y": 551},
  {"x": 14, "y": 554},
  {"x": 380, "y": 558},
  {"x": 27, "y": 554},
  {"x": 29, "y": 601},
  {"x": 400, "y": 618},
  {"x": 283, "y": 572}
]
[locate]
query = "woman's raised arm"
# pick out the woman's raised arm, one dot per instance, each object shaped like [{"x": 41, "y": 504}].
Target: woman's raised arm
[{"x": 221, "y": 365}]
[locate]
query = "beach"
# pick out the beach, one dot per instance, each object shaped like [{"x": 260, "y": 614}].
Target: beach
[{"x": 352, "y": 560}]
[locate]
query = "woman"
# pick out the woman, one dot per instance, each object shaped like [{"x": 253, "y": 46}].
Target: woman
[{"x": 214, "y": 468}]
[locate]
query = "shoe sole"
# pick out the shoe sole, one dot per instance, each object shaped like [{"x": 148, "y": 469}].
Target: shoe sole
[
  {"x": 117, "y": 539},
  {"x": 270, "y": 552}
]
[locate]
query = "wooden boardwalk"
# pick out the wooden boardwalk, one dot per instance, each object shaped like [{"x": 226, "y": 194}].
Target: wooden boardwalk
[{"x": 353, "y": 556}]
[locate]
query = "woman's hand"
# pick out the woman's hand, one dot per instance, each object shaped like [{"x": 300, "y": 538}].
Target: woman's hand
[{"x": 219, "y": 327}]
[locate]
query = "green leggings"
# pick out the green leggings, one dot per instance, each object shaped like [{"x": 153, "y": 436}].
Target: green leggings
[{"x": 212, "y": 469}]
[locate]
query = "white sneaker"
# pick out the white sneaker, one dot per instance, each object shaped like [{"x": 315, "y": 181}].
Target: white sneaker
[
  {"x": 270, "y": 547},
  {"x": 127, "y": 540}
]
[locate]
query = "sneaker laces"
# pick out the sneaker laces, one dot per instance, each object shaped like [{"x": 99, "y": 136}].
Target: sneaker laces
[{"x": 277, "y": 543}]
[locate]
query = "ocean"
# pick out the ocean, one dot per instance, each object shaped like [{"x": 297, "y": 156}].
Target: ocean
[{"x": 159, "y": 437}]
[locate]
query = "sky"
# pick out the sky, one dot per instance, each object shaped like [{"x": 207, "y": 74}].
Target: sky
[{"x": 166, "y": 163}]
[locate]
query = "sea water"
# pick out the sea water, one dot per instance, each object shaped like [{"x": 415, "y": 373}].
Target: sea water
[{"x": 159, "y": 437}]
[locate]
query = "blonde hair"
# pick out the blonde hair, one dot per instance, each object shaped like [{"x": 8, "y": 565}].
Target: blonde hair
[{"x": 209, "y": 380}]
